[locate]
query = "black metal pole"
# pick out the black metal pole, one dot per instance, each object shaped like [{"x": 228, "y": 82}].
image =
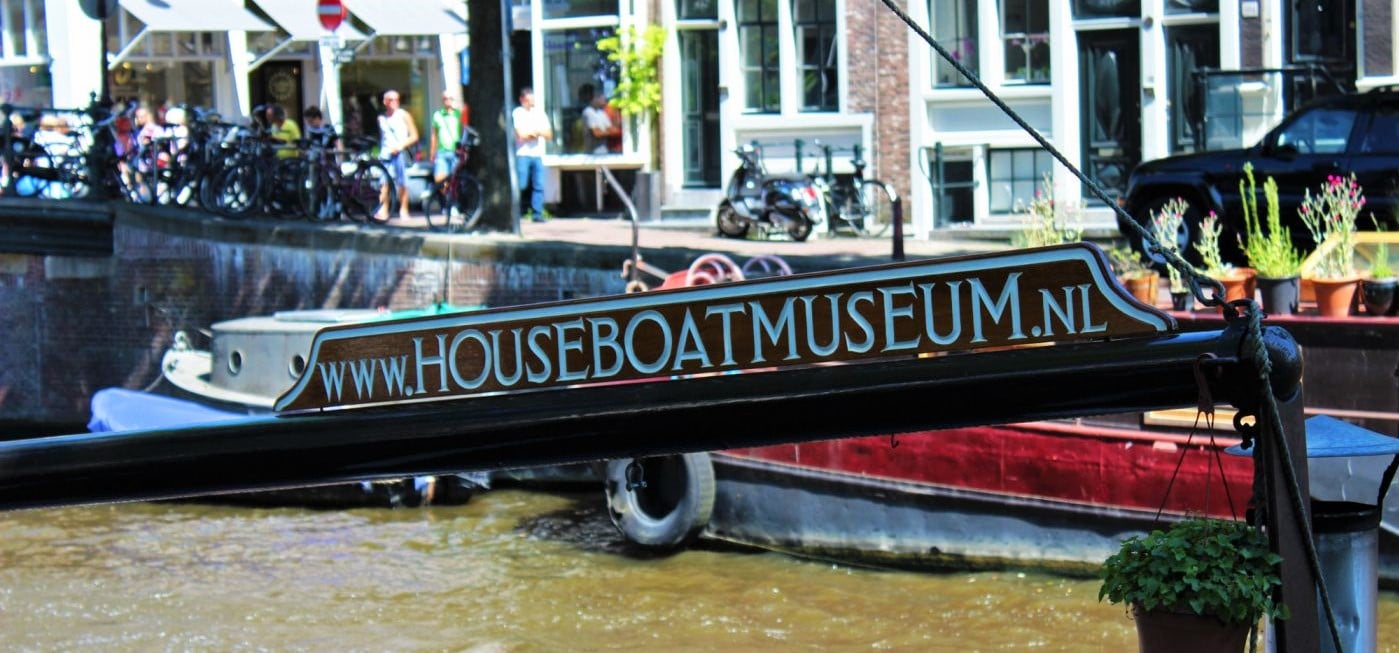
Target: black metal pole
[{"x": 601, "y": 422}]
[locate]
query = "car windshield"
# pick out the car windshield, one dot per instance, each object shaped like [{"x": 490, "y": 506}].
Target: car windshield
[{"x": 1318, "y": 131}]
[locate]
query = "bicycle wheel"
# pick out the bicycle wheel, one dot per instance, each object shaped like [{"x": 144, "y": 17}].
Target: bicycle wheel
[
  {"x": 239, "y": 187},
  {"x": 34, "y": 174},
  {"x": 316, "y": 201},
  {"x": 469, "y": 194},
  {"x": 852, "y": 214},
  {"x": 878, "y": 207},
  {"x": 370, "y": 192},
  {"x": 436, "y": 210}
]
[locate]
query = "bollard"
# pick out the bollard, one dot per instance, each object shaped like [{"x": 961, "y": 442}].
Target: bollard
[{"x": 1347, "y": 545}]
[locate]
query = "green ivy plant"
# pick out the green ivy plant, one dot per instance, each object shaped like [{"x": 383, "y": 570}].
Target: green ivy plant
[
  {"x": 637, "y": 53},
  {"x": 1209, "y": 567}
]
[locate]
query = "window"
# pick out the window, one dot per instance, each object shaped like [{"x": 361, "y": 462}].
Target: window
[
  {"x": 575, "y": 8},
  {"x": 1383, "y": 136},
  {"x": 1192, "y": 6},
  {"x": 574, "y": 71},
  {"x": 954, "y": 27},
  {"x": 697, "y": 9},
  {"x": 816, "y": 53},
  {"x": 954, "y": 187},
  {"x": 1014, "y": 177},
  {"x": 23, "y": 35},
  {"x": 757, "y": 39},
  {"x": 1025, "y": 33},
  {"x": 1107, "y": 8},
  {"x": 1320, "y": 131}
]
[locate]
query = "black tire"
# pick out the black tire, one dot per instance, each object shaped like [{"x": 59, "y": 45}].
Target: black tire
[
  {"x": 238, "y": 190},
  {"x": 1185, "y": 237},
  {"x": 726, "y": 219},
  {"x": 798, "y": 227},
  {"x": 316, "y": 201},
  {"x": 35, "y": 174},
  {"x": 852, "y": 213},
  {"x": 878, "y": 208},
  {"x": 469, "y": 198},
  {"x": 435, "y": 209},
  {"x": 673, "y": 507},
  {"x": 365, "y": 192}
]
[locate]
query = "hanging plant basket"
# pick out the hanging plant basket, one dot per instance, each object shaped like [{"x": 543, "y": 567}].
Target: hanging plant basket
[{"x": 1159, "y": 631}]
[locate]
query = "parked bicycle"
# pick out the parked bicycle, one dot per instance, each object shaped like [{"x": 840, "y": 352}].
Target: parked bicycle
[
  {"x": 863, "y": 207},
  {"x": 353, "y": 188},
  {"x": 455, "y": 204}
]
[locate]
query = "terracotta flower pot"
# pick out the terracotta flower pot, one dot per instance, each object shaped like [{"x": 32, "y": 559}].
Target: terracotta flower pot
[
  {"x": 1145, "y": 288},
  {"x": 1162, "y": 632},
  {"x": 1239, "y": 283},
  {"x": 1334, "y": 297}
]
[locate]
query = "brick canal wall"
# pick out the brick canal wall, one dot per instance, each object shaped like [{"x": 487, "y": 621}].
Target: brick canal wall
[{"x": 74, "y": 325}]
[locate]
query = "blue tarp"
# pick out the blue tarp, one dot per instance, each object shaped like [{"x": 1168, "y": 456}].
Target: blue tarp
[{"x": 119, "y": 409}]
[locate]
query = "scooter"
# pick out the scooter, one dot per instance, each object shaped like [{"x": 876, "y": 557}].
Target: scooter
[{"x": 756, "y": 198}]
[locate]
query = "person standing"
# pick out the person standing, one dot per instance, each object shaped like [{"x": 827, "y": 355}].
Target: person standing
[
  {"x": 282, "y": 130},
  {"x": 601, "y": 127},
  {"x": 532, "y": 134},
  {"x": 397, "y": 133},
  {"x": 446, "y": 133}
]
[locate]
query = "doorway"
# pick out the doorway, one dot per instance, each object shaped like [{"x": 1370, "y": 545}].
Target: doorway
[
  {"x": 279, "y": 82},
  {"x": 699, "y": 74},
  {"x": 1110, "y": 106}
]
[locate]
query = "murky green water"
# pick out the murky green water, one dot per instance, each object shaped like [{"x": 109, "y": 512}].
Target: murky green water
[{"x": 511, "y": 571}]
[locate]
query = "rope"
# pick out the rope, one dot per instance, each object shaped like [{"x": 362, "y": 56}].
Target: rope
[
  {"x": 1253, "y": 342},
  {"x": 1198, "y": 280},
  {"x": 1243, "y": 309}
]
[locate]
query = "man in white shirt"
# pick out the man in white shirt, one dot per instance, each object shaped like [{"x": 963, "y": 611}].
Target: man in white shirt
[
  {"x": 532, "y": 135},
  {"x": 600, "y": 128}
]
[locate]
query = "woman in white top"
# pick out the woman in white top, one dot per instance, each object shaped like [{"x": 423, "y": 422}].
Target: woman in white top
[{"x": 397, "y": 133}]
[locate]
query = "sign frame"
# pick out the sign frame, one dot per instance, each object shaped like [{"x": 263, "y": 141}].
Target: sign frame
[{"x": 923, "y": 308}]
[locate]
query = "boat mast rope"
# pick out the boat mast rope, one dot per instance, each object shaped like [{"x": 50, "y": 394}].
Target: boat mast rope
[{"x": 1245, "y": 310}]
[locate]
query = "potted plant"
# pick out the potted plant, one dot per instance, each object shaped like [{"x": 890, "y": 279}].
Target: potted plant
[
  {"x": 1238, "y": 282},
  {"x": 1377, "y": 290},
  {"x": 1047, "y": 222},
  {"x": 1200, "y": 585},
  {"x": 1269, "y": 248},
  {"x": 1330, "y": 217},
  {"x": 1166, "y": 226},
  {"x": 636, "y": 52},
  {"x": 1140, "y": 278}
]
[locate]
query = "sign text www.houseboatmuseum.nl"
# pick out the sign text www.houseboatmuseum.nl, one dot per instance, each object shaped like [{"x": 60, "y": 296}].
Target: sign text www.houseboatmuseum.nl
[{"x": 1031, "y": 296}]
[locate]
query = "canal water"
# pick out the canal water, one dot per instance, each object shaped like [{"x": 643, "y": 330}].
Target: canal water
[{"x": 511, "y": 571}]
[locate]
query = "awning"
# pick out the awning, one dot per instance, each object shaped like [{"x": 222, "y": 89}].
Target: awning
[
  {"x": 186, "y": 16},
  {"x": 196, "y": 15},
  {"x": 407, "y": 17},
  {"x": 298, "y": 18}
]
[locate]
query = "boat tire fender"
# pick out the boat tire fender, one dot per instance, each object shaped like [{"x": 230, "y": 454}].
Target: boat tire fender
[{"x": 672, "y": 506}]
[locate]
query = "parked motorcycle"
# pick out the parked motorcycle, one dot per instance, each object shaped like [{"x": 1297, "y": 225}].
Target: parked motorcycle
[{"x": 755, "y": 198}]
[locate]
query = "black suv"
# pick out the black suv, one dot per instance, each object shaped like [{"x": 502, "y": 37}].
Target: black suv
[{"x": 1336, "y": 135}]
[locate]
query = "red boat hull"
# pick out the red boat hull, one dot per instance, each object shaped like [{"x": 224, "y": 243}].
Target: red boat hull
[{"x": 1043, "y": 495}]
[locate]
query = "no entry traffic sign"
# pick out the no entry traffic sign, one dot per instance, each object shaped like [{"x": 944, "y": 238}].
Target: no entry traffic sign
[{"x": 331, "y": 13}]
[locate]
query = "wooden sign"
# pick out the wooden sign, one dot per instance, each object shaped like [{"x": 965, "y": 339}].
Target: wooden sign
[{"x": 1053, "y": 294}]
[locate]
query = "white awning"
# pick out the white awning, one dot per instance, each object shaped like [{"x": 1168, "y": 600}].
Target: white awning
[
  {"x": 407, "y": 17},
  {"x": 195, "y": 16},
  {"x": 298, "y": 18}
]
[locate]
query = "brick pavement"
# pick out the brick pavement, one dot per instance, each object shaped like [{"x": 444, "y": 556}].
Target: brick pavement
[{"x": 701, "y": 236}]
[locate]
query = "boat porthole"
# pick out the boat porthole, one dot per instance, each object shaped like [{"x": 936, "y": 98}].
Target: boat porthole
[
  {"x": 235, "y": 362},
  {"x": 298, "y": 365}
]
